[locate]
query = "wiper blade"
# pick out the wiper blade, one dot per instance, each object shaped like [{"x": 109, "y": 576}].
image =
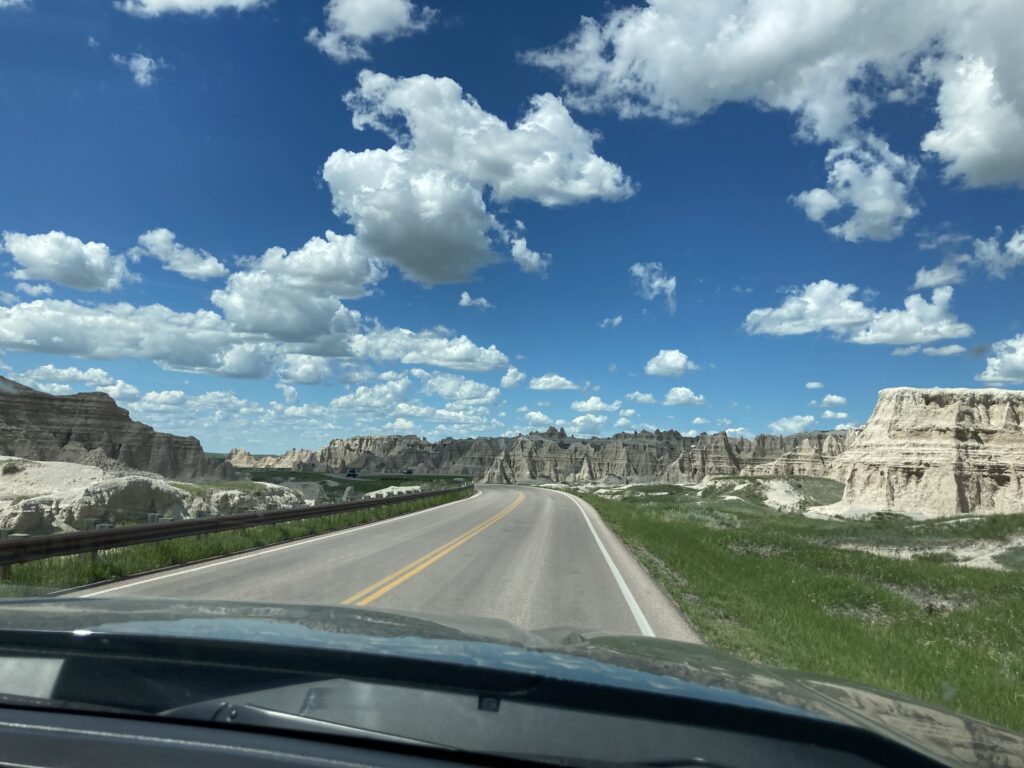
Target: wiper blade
[{"x": 255, "y": 716}]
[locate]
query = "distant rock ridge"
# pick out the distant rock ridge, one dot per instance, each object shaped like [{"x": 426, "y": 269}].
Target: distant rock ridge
[
  {"x": 937, "y": 452},
  {"x": 553, "y": 456},
  {"x": 90, "y": 428}
]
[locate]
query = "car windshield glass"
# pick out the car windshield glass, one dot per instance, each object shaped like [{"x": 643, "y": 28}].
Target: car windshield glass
[{"x": 665, "y": 338}]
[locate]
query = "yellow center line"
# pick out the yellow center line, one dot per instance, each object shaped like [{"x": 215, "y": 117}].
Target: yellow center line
[{"x": 383, "y": 586}]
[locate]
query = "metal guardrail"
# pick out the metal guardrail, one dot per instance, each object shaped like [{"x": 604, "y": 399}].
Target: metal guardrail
[{"x": 23, "y": 550}]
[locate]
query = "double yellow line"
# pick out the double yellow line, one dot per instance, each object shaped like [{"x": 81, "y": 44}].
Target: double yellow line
[{"x": 403, "y": 574}]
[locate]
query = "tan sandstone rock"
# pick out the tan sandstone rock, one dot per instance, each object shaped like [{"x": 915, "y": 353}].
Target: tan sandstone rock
[
  {"x": 937, "y": 452},
  {"x": 42, "y": 497}
]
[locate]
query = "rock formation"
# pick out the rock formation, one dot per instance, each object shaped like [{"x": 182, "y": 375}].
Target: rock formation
[
  {"x": 718, "y": 454},
  {"x": 90, "y": 428},
  {"x": 812, "y": 456},
  {"x": 937, "y": 452},
  {"x": 553, "y": 456},
  {"x": 41, "y": 497}
]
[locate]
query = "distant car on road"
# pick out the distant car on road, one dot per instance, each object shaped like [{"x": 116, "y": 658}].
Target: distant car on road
[
  {"x": 406, "y": 471},
  {"x": 352, "y": 473}
]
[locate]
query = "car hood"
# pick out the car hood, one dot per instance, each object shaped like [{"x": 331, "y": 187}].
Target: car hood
[{"x": 642, "y": 663}]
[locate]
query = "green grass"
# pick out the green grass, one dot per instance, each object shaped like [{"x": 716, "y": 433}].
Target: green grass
[
  {"x": 1012, "y": 559},
  {"x": 773, "y": 588},
  {"x": 43, "y": 576}
]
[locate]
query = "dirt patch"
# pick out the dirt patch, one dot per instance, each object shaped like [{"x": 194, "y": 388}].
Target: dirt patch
[
  {"x": 933, "y": 602},
  {"x": 781, "y": 495},
  {"x": 971, "y": 554},
  {"x": 757, "y": 550}
]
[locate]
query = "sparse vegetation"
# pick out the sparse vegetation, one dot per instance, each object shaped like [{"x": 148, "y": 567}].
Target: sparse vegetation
[
  {"x": 45, "y": 576},
  {"x": 334, "y": 485},
  {"x": 777, "y": 589},
  {"x": 203, "y": 488}
]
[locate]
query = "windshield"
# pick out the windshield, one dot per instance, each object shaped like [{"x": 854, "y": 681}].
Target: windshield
[{"x": 588, "y": 328}]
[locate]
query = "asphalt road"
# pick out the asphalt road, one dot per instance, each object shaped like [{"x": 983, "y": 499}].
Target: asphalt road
[{"x": 535, "y": 557}]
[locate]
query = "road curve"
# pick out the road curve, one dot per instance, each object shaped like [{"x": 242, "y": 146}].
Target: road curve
[{"x": 536, "y": 557}]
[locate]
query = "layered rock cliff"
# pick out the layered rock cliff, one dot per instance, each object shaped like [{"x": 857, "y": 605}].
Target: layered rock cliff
[
  {"x": 812, "y": 455},
  {"x": 553, "y": 456},
  {"x": 938, "y": 452},
  {"x": 718, "y": 454},
  {"x": 90, "y": 428}
]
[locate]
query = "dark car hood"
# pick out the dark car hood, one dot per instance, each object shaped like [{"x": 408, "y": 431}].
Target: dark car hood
[{"x": 642, "y": 663}]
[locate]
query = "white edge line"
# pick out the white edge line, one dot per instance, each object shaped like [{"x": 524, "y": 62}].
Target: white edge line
[
  {"x": 265, "y": 551},
  {"x": 634, "y": 606}
]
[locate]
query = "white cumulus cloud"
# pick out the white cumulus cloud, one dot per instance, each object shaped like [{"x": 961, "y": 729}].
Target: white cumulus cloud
[
  {"x": 669, "y": 362},
  {"x": 1005, "y": 365},
  {"x": 791, "y": 424},
  {"x": 944, "y": 351},
  {"x": 457, "y": 389},
  {"x": 121, "y": 391},
  {"x": 465, "y": 300},
  {"x": 682, "y": 396},
  {"x": 91, "y": 377},
  {"x": 401, "y": 424},
  {"x": 1000, "y": 259},
  {"x": 528, "y": 259},
  {"x": 143, "y": 68},
  {"x": 375, "y": 397},
  {"x": 34, "y": 289},
  {"x": 351, "y": 24},
  {"x": 980, "y": 134},
  {"x": 294, "y": 295},
  {"x": 652, "y": 282},
  {"x": 424, "y": 203},
  {"x": 66, "y": 260},
  {"x": 195, "y": 265},
  {"x": 430, "y": 347},
  {"x": 828, "y": 306},
  {"x": 866, "y": 177},
  {"x": 512, "y": 377},
  {"x": 642, "y": 397},
  {"x": 920, "y": 321},
  {"x": 949, "y": 272},
  {"x": 304, "y": 369},
  {"x": 537, "y": 418},
  {"x": 680, "y": 61},
  {"x": 551, "y": 381},
  {"x": 595, "y": 404},
  {"x": 587, "y": 424},
  {"x": 153, "y": 8}
]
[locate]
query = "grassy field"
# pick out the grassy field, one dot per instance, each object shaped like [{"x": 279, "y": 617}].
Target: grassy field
[
  {"x": 44, "y": 576},
  {"x": 775, "y": 589},
  {"x": 334, "y": 485}
]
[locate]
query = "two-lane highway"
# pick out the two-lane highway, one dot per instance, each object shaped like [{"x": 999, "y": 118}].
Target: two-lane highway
[{"x": 535, "y": 557}]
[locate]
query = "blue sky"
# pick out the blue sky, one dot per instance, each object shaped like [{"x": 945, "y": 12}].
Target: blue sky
[{"x": 261, "y": 235}]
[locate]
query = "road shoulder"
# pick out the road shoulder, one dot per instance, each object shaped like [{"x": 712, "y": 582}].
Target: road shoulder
[{"x": 661, "y": 611}]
